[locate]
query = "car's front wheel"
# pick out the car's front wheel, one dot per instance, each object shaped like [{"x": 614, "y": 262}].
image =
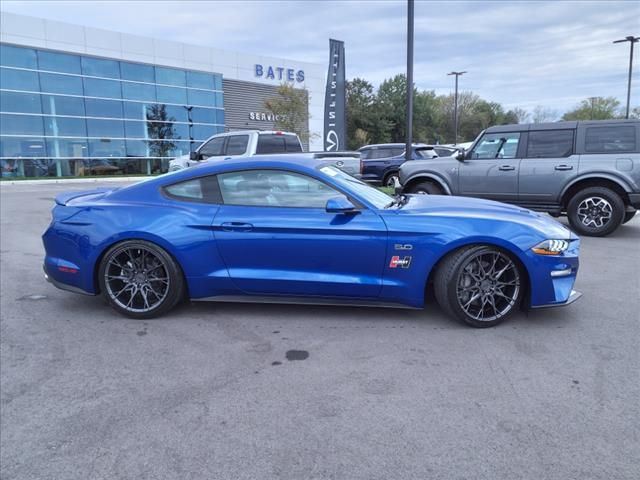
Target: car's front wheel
[
  {"x": 426, "y": 188},
  {"x": 140, "y": 279},
  {"x": 480, "y": 285},
  {"x": 595, "y": 211},
  {"x": 391, "y": 180}
]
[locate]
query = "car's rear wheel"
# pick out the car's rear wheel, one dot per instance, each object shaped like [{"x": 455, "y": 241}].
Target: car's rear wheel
[
  {"x": 140, "y": 279},
  {"x": 595, "y": 211},
  {"x": 391, "y": 179},
  {"x": 628, "y": 216},
  {"x": 481, "y": 286},
  {"x": 426, "y": 188}
]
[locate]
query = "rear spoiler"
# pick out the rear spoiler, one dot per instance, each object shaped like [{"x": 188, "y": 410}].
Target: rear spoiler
[{"x": 65, "y": 198}]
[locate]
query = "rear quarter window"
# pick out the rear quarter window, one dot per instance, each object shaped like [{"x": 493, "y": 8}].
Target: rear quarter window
[
  {"x": 611, "y": 139},
  {"x": 292, "y": 143},
  {"x": 202, "y": 190},
  {"x": 271, "y": 144}
]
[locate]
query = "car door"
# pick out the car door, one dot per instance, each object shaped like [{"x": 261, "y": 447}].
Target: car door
[
  {"x": 550, "y": 163},
  {"x": 276, "y": 238},
  {"x": 490, "y": 170},
  {"x": 237, "y": 146},
  {"x": 213, "y": 149}
]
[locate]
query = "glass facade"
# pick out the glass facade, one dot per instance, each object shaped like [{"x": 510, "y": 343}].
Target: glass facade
[{"x": 64, "y": 114}]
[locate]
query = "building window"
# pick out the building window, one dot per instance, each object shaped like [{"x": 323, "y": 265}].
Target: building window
[
  {"x": 20, "y": 102},
  {"x": 65, "y": 113},
  {"x": 58, "y": 62},
  {"x": 97, "y": 87},
  {"x": 18, "y": 57},
  {"x": 98, "y": 67},
  {"x": 137, "y": 72},
  {"x": 170, "y": 76},
  {"x": 67, "y": 84},
  {"x": 11, "y": 79}
]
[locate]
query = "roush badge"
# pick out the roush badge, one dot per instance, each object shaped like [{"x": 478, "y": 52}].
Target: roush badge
[{"x": 396, "y": 262}]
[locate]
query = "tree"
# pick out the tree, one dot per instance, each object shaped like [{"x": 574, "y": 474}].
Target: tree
[
  {"x": 594, "y": 108},
  {"x": 521, "y": 115},
  {"x": 392, "y": 104},
  {"x": 364, "y": 122},
  {"x": 290, "y": 110},
  {"x": 160, "y": 127},
  {"x": 541, "y": 114}
]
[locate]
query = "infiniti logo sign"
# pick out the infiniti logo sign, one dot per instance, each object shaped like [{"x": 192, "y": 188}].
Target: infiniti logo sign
[{"x": 334, "y": 100}]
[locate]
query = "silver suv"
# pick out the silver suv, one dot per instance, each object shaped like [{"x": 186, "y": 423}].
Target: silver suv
[{"x": 587, "y": 170}]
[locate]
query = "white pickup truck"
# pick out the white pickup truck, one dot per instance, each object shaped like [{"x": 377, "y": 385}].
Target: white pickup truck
[{"x": 243, "y": 143}]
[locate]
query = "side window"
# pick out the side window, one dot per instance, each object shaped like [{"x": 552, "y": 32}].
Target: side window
[
  {"x": 292, "y": 143},
  {"x": 365, "y": 154},
  {"x": 203, "y": 190},
  {"x": 237, "y": 144},
  {"x": 395, "y": 152},
  {"x": 496, "y": 145},
  {"x": 273, "y": 188},
  {"x": 270, "y": 144},
  {"x": 612, "y": 139},
  {"x": 213, "y": 147},
  {"x": 550, "y": 144}
]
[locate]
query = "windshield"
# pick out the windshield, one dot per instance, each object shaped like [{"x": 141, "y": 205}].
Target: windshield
[{"x": 370, "y": 194}]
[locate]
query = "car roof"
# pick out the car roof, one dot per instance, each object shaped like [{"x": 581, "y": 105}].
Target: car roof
[
  {"x": 393, "y": 145},
  {"x": 259, "y": 132},
  {"x": 525, "y": 127}
]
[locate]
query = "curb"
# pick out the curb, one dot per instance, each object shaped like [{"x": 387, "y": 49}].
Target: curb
[{"x": 76, "y": 180}]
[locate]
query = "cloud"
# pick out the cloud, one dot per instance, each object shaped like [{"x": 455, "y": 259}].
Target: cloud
[{"x": 522, "y": 53}]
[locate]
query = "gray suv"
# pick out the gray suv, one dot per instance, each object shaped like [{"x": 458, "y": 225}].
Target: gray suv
[{"x": 588, "y": 170}]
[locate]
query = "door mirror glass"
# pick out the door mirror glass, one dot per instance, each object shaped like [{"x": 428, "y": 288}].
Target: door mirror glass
[
  {"x": 340, "y": 204},
  {"x": 194, "y": 156}
]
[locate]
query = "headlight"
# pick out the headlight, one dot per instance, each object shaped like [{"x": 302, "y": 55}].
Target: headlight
[{"x": 551, "y": 247}]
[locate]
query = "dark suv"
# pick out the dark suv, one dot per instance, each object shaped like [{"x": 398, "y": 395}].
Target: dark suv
[
  {"x": 588, "y": 170},
  {"x": 380, "y": 163}
]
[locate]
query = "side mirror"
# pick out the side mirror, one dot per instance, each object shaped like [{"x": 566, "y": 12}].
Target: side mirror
[
  {"x": 461, "y": 155},
  {"x": 341, "y": 205},
  {"x": 194, "y": 156}
]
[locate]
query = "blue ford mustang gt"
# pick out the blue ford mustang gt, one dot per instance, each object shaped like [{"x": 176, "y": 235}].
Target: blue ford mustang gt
[{"x": 291, "y": 229}]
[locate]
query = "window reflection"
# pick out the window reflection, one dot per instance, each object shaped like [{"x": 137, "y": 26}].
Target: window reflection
[{"x": 66, "y": 114}]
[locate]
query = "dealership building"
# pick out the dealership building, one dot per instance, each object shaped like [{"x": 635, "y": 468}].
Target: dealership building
[{"x": 80, "y": 101}]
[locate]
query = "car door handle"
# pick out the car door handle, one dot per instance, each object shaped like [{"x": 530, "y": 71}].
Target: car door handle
[
  {"x": 506, "y": 168},
  {"x": 236, "y": 227},
  {"x": 228, "y": 158},
  {"x": 564, "y": 167}
]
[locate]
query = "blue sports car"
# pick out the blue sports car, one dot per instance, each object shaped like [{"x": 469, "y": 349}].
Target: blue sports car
[{"x": 292, "y": 229}]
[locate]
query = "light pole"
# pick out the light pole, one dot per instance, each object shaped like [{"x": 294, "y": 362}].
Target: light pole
[
  {"x": 455, "y": 106},
  {"x": 631, "y": 39},
  {"x": 409, "y": 133}
]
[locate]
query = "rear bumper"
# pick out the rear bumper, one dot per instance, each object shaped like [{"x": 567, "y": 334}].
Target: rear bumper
[
  {"x": 63, "y": 286},
  {"x": 634, "y": 200}
]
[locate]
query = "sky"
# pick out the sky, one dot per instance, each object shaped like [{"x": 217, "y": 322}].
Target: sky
[{"x": 518, "y": 53}]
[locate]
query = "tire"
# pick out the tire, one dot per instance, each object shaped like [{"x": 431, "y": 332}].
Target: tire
[
  {"x": 140, "y": 280},
  {"x": 426, "y": 188},
  {"x": 595, "y": 211},
  {"x": 390, "y": 178},
  {"x": 628, "y": 216},
  {"x": 469, "y": 293}
]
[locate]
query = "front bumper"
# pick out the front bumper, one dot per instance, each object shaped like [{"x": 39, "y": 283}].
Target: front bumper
[
  {"x": 575, "y": 295},
  {"x": 552, "y": 278}
]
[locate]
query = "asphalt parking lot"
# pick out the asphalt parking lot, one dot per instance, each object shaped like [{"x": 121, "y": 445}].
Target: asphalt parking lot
[{"x": 208, "y": 391}]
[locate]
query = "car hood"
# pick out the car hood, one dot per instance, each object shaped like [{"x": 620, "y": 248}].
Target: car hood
[{"x": 476, "y": 208}]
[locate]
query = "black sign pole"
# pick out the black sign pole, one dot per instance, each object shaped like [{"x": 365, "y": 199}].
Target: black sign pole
[
  {"x": 334, "y": 100},
  {"x": 407, "y": 154}
]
